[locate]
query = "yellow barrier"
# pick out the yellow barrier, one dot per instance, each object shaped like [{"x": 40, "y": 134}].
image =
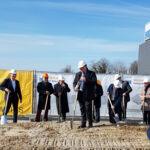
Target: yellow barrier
[{"x": 26, "y": 83}]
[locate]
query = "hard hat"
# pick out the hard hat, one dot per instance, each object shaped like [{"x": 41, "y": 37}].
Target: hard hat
[
  {"x": 13, "y": 71},
  {"x": 99, "y": 82},
  {"x": 61, "y": 78},
  {"x": 117, "y": 84},
  {"x": 81, "y": 64},
  {"x": 146, "y": 80},
  {"x": 117, "y": 76},
  {"x": 45, "y": 75}
]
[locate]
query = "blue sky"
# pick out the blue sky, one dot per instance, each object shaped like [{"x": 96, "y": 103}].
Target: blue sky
[{"x": 50, "y": 34}]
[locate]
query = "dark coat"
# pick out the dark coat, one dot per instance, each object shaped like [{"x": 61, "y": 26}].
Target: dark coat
[
  {"x": 126, "y": 89},
  {"x": 146, "y": 102},
  {"x": 63, "y": 98},
  {"x": 14, "y": 95},
  {"x": 117, "y": 92},
  {"x": 88, "y": 90},
  {"x": 42, "y": 87},
  {"x": 98, "y": 92}
]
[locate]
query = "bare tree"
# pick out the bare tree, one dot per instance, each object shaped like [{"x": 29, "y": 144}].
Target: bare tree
[
  {"x": 67, "y": 69},
  {"x": 100, "y": 66},
  {"x": 133, "y": 69},
  {"x": 119, "y": 67}
]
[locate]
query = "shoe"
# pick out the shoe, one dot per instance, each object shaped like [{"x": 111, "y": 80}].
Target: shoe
[
  {"x": 96, "y": 121},
  {"x": 90, "y": 125},
  {"x": 81, "y": 126}
]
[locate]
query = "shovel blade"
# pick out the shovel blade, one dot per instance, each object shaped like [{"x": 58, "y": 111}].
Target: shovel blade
[
  {"x": 71, "y": 124},
  {"x": 3, "y": 120},
  {"x": 116, "y": 118}
]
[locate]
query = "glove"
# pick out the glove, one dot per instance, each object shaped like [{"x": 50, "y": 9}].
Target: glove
[
  {"x": 47, "y": 92},
  {"x": 59, "y": 93},
  {"x": 76, "y": 87}
]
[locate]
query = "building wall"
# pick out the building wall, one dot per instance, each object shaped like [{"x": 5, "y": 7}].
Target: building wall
[{"x": 144, "y": 58}]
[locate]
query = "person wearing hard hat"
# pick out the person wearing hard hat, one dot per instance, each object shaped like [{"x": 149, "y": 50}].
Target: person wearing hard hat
[
  {"x": 98, "y": 92},
  {"x": 60, "y": 91},
  {"x": 126, "y": 94},
  {"x": 45, "y": 89},
  {"x": 11, "y": 86},
  {"x": 145, "y": 99},
  {"x": 84, "y": 83},
  {"x": 115, "y": 95}
]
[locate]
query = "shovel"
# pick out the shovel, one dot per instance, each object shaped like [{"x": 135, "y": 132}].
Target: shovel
[
  {"x": 123, "y": 106},
  {"x": 4, "y": 117},
  {"x": 116, "y": 118},
  {"x": 59, "y": 107},
  {"x": 93, "y": 110},
  {"x": 45, "y": 106},
  {"x": 74, "y": 110}
]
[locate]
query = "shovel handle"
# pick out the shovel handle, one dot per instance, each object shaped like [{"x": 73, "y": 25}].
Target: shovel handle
[
  {"x": 111, "y": 104},
  {"x": 7, "y": 98}
]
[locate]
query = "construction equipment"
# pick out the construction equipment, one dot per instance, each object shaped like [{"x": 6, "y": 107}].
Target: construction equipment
[
  {"x": 116, "y": 118},
  {"x": 74, "y": 110},
  {"x": 4, "y": 117}
]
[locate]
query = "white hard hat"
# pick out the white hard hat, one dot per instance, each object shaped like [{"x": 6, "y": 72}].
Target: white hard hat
[
  {"x": 13, "y": 71},
  {"x": 61, "y": 78},
  {"x": 117, "y": 76},
  {"x": 81, "y": 64},
  {"x": 147, "y": 79},
  {"x": 117, "y": 84}
]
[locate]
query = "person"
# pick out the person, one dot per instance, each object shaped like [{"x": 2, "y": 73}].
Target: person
[
  {"x": 84, "y": 83},
  {"x": 60, "y": 91},
  {"x": 115, "y": 94},
  {"x": 145, "y": 99},
  {"x": 11, "y": 86},
  {"x": 98, "y": 92},
  {"x": 45, "y": 89},
  {"x": 126, "y": 94}
]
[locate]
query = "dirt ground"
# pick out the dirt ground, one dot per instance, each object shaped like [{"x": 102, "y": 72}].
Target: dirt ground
[{"x": 52, "y": 135}]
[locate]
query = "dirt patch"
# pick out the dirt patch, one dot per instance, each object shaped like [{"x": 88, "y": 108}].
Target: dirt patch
[{"x": 53, "y": 136}]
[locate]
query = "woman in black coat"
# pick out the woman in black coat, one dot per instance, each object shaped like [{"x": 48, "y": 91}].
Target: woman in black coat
[
  {"x": 44, "y": 89},
  {"x": 60, "y": 91},
  {"x": 98, "y": 92}
]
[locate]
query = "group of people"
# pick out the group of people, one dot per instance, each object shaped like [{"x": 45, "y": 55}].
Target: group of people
[{"x": 89, "y": 92}]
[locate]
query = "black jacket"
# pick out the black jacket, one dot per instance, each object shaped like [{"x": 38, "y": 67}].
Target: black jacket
[
  {"x": 88, "y": 91},
  {"x": 64, "y": 99},
  {"x": 98, "y": 92},
  {"x": 126, "y": 89},
  {"x": 14, "y": 94},
  {"x": 42, "y": 87}
]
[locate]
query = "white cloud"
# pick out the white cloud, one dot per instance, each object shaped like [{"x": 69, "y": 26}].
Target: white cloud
[
  {"x": 14, "y": 42},
  {"x": 128, "y": 10}
]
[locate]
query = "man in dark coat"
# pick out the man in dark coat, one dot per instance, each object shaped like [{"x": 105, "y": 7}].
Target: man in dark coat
[
  {"x": 115, "y": 93},
  {"x": 60, "y": 91},
  {"x": 84, "y": 83},
  {"x": 145, "y": 101},
  {"x": 98, "y": 92},
  {"x": 126, "y": 94},
  {"x": 12, "y": 86},
  {"x": 45, "y": 89}
]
